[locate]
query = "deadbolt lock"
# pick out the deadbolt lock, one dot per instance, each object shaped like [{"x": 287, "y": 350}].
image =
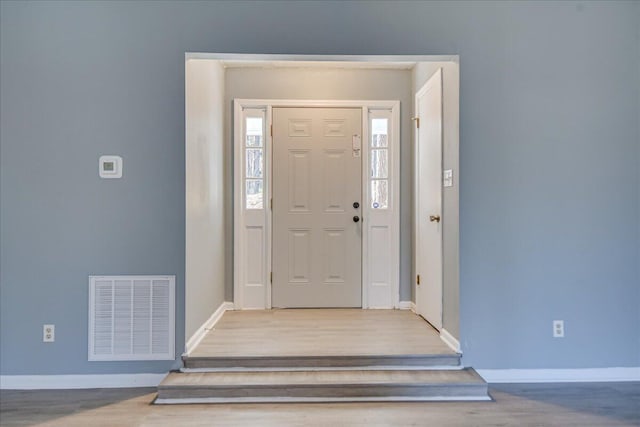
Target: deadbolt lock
[{"x": 356, "y": 205}]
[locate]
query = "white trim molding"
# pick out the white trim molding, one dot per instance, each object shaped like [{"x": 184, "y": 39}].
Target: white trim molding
[
  {"x": 407, "y": 305},
  {"x": 560, "y": 375},
  {"x": 199, "y": 334},
  {"x": 450, "y": 340},
  {"x": 293, "y": 399},
  {"x": 253, "y": 57},
  {"x": 58, "y": 382}
]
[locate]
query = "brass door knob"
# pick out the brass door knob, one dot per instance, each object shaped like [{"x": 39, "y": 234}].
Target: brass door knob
[{"x": 434, "y": 218}]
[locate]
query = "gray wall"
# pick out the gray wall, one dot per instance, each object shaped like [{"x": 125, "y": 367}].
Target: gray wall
[
  {"x": 549, "y": 198},
  {"x": 304, "y": 83}
]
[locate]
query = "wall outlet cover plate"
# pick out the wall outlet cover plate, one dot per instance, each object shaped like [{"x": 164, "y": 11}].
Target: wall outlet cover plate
[{"x": 447, "y": 178}]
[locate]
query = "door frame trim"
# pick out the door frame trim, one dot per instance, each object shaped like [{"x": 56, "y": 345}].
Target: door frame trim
[{"x": 262, "y": 299}]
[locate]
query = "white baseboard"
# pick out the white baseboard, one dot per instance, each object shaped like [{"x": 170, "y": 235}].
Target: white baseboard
[
  {"x": 559, "y": 375},
  {"x": 206, "y": 326},
  {"x": 407, "y": 305},
  {"x": 450, "y": 340},
  {"x": 43, "y": 382}
]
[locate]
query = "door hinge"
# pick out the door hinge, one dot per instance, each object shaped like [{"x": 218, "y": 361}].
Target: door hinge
[
  {"x": 271, "y": 203},
  {"x": 417, "y": 120},
  {"x": 271, "y": 130},
  {"x": 271, "y": 277},
  {"x": 418, "y": 279}
]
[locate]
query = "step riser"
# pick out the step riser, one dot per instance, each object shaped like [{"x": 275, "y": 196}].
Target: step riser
[
  {"x": 320, "y": 362},
  {"x": 327, "y": 392},
  {"x": 321, "y": 384}
]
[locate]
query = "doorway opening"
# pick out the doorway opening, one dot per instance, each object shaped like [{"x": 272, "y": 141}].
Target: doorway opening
[
  {"x": 316, "y": 203},
  {"x": 254, "y": 88}
]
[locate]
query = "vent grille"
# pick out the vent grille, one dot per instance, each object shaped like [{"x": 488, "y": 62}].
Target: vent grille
[{"x": 131, "y": 317}]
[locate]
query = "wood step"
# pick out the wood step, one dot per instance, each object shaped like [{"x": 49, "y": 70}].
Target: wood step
[
  {"x": 340, "y": 361},
  {"x": 322, "y": 386}
]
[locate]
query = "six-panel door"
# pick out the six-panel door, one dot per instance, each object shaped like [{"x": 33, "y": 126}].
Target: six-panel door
[{"x": 317, "y": 234}]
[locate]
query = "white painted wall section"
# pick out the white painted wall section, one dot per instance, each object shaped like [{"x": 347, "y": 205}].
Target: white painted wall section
[{"x": 205, "y": 227}]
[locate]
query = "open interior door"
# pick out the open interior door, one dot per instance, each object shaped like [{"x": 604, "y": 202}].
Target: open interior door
[{"x": 428, "y": 187}]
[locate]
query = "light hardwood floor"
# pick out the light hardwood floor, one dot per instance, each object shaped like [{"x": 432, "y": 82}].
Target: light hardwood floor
[
  {"x": 298, "y": 378},
  {"x": 598, "y": 404},
  {"x": 320, "y": 332}
]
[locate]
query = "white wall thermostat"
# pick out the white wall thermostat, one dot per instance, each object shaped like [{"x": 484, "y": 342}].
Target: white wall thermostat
[{"x": 110, "y": 166}]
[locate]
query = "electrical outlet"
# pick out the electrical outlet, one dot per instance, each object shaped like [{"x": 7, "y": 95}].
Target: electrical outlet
[
  {"x": 48, "y": 333},
  {"x": 558, "y": 328}
]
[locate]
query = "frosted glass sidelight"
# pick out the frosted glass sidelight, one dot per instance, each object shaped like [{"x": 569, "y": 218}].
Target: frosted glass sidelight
[
  {"x": 254, "y": 163},
  {"x": 254, "y": 140},
  {"x": 379, "y": 163},
  {"x": 254, "y": 194},
  {"x": 379, "y": 133},
  {"x": 254, "y": 131},
  {"x": 254, "y": 125},
  {"x": 379, "y": 194}
]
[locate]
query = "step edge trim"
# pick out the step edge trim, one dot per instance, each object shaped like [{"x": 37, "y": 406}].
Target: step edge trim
[
  {"x": 327, "y": 368},
  {"x": 329, "y": 356},
  {"x": 177, "y": 401}
]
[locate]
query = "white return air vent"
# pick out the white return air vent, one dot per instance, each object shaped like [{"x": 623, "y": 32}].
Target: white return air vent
[{"x": 131, "y": 317}]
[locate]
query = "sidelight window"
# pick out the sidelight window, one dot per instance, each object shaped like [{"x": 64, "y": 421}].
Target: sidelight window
[
  {"x": 379, "y": 163},
  {"x": 254, "y": 162}
]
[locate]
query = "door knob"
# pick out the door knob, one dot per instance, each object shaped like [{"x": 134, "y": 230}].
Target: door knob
[
  {"x": 434, "y": 218},
  {"x": 356, "y": 218}
]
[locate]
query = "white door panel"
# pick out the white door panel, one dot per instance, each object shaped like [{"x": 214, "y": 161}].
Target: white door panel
[
  {"x": 429, "y": 201},
  {"x": 317, "y": 246}
]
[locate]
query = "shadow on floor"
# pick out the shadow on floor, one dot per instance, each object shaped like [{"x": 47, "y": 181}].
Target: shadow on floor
[{"x": 618, "y": 401}]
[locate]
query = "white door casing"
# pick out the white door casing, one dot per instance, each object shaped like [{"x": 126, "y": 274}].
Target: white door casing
[
  {"x": 317, "y": 245},
  {"x": 428, "y": 218},
  {"x": 379, "y": 226}
]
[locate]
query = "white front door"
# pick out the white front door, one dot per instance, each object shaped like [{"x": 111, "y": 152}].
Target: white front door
[
  {"x": 428, "y": 260},
  {"x": 317, "y": 202}
]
